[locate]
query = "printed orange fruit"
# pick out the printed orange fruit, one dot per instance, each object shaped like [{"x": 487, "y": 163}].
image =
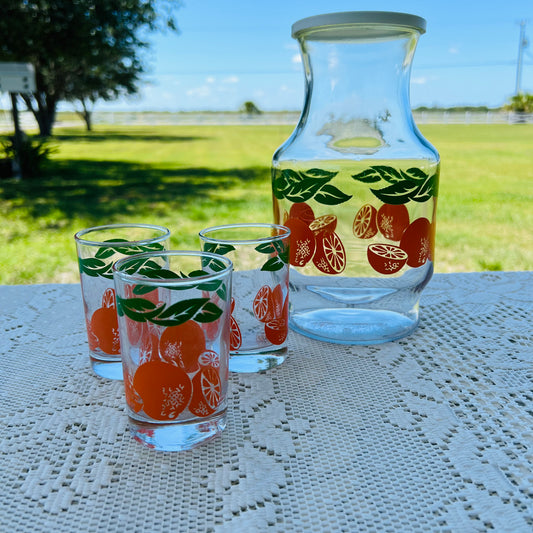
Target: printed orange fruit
[
  {"x": 365, "y": 222},
  {"x": 276, "y": 331},
  {"x": 262, "y": 304},
  {"x": 165, "y": 389},
  {"x": 104, "y": 327},
  {"x": 386, "y": 258},
  {"x": 209, "y": 358},
  {"x": 392, "y": 220},
  {"x": 303, "y": 212},
  {"x": 323, "y": 224},
  {"x": 109, "y": 299},
  {"x": 285, "y": 309},
  {"x": 149, "y": 348},
  {"x": 91, "y": 337},
  {"x": 182, "y": 345},
  {"x": 277, "y": 302},
  {"x": 206, "y": 392},
  {"x": 132, "y": 398},
  {"x": 330, "y": 256},
  {"x": 302, "y": 242},
  {"x": 235, "y": 335},
  {"x": 417, "y": 242}
]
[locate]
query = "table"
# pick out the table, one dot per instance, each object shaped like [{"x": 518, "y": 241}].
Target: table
[{"x": 430, "y": 433}]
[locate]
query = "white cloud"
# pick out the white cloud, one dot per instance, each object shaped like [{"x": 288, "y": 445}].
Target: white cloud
[
  {"x": 453, "y": 50},
  {"x": 296, "y": 59},
  {"x": 199, "y": 92},
  {"x": 210, "y": 79},
  {"x": 420, "y": 80},
  {"x": 333, "y": 61},
  {"x": 231, "y": 79}
]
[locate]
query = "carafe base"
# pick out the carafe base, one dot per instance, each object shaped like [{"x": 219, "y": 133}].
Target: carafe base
[{"x": 353, "y": 325}]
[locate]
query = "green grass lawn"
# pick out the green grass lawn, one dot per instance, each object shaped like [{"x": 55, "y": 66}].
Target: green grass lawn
[{"x": 189, "y": 177}]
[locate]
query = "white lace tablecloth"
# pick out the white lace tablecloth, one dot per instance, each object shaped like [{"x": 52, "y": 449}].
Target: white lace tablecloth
[{"x": 430, "y": 433}]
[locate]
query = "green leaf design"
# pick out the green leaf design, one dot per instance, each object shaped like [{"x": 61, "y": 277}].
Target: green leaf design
[
  {"x": 368, "y": 175},
  {"x": 152, "y": 270},
  {"x": 273, "y": 264},
  {"x": 414, "y": 174},
  {"x": 138, "y": 309},
  {"x": 141, "y": 310},
  {"x": 133, "y": 250},
  {"x": 179, "y": 312},
  {"x": 405, "y": 185},
  {"x": 426, "y": 190},
  {"x": 157, "y": 272},
  {"x": 389, "y": 174},
  {"x": 222, "y": 292},
  {"x": 398, "y": 193},
  {"x": 216, "y": 265},
  {"x": 305, "y": 189},
  {"x": 330, "y": 195},
  {"x": 282, "y": 249},
  {"x": 220, "y": 249},
  {"x": 208, "y": 313},
  {"x": 320, "y": 173},
  {"x": 140, "y": 290},
  {"x": 266, "y": 248},
  {"x": 104, "y": 253},
  {"x": 91, "y": 266},
  {"x": 97, "y": 267},
  {"x": 279, "y": 252},
  {"x": 300, "y": 187}
]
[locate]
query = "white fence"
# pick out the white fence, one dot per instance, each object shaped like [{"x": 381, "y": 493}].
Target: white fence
[{"x": 28, "y": 123}]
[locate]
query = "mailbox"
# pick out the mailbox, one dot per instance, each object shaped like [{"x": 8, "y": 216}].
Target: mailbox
[{"x": 17, "y": 77}]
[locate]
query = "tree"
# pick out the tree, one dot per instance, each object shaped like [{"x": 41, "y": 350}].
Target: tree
[
  {"x": 82, "y": 50},
  {"x": 105, "y": 79},
  {"x": 521, "y": 103},
  {"x": 250, "y": 108}
]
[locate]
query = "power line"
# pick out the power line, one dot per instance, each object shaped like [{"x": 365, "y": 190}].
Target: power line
[{"x": 243, "y": 72}]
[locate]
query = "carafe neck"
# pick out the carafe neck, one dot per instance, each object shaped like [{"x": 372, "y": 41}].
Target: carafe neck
[{"x": 357, "y": 90}]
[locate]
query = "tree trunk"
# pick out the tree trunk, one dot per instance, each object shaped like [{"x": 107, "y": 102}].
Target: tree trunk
[
  {"x": 87, "y": 115},
  {"x": 17, "y": 139},
  {"x": 45, "y": 114}
]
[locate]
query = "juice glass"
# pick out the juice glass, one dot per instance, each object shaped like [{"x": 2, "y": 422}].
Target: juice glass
[
  {"x": 174, "y": 321},
  {"x": 98, "y": 248}
]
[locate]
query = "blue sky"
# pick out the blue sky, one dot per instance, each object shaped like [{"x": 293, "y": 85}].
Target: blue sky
[{"x": 231, "y": 51}]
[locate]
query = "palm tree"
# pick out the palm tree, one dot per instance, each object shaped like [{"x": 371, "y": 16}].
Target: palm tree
[{"x": 521, "y": 103}]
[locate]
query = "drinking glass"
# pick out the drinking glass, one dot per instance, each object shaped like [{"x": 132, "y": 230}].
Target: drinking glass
[
  {"x": 98, "y": 248},
  {"x": 260, "y": 301},
  {"x": 174, "y": 314}
]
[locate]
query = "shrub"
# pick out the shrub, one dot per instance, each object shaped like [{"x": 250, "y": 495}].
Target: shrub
[{"x": 30, "y": 155}]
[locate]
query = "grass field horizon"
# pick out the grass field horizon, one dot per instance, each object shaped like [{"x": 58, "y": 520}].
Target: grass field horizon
[{"x": 190, "y": 177}]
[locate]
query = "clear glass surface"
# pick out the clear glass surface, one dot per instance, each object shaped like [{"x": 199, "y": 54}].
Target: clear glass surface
[
  {"x": 174, "y": 313},
  {"x": 357, "y": 185},
  {"x": 98, "y": 248},
  {"x": 260, "y": 297}
]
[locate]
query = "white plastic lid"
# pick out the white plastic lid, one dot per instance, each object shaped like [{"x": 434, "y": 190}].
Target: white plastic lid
[{"x": 340, "y": 25}]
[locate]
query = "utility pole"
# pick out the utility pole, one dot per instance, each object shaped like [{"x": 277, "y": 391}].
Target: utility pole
[{"x": 522, "y": 43}]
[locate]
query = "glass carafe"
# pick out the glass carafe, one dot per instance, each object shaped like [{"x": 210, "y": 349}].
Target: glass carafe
[{"x": 356, "y": 182}]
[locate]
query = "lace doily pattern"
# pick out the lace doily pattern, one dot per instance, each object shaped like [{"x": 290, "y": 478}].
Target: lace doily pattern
[{"x": 430, "y": 433}]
